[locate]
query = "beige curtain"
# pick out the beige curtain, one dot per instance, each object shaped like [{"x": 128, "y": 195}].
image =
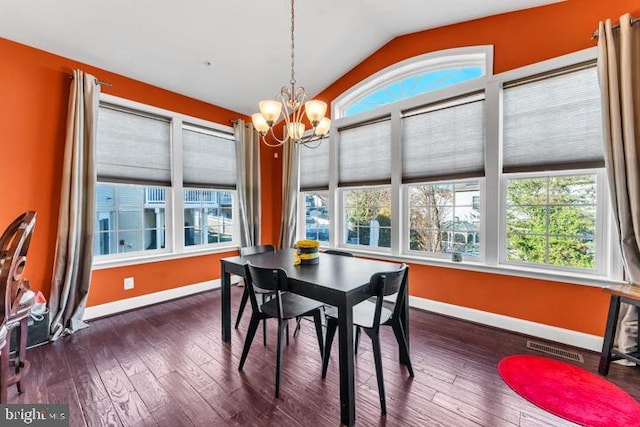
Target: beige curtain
[
  {"x": 619, "y": 70},
  {"x": 248, "y": 183},
  {"x": 290, "y": 187},
  {"x": 73, "y": 256}
]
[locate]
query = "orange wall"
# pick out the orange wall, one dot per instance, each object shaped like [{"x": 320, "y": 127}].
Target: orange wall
[
  {"x": 34, "y": 87},
  {"x": 519, "y": 38}
]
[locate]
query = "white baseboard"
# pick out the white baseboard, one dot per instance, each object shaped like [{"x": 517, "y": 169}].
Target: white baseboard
[
  {"x": 149, "y": 299},
  {"x": 551, "y": 333}
]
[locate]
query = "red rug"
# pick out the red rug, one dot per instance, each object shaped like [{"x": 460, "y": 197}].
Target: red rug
[{"x": 570, "y": 392}]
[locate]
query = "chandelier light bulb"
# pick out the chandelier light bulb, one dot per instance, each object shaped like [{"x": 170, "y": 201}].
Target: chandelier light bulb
[
  {"x": 270, "y": 110},
  {"x": 323, "y": 127},
  {"x": 315, "y": 110},
  {"x": 295, "y": 130},
  {"x": 259, "y": 123}
]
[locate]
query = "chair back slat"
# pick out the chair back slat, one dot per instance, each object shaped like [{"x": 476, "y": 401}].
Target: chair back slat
[
  {"x": 268, "y": 279},
  {"x": 253, "y": 250},
  {"x": 337, "y": 252},
  {"x": 385, "y": 284},
  {"x": 14, "y": 245}
]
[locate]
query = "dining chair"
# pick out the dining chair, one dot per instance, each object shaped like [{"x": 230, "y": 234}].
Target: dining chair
[
  {"x": 337, "y": 252},
  {"x": 328, "y": 252},
  {"x": 17, "y": 300},
  {"x": 370, "y": 316},
  {"x": 247, "y": 251},
  {"x": 284, "y": 306}
]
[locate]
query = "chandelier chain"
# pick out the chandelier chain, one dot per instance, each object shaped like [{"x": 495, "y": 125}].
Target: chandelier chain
[{"x": 293, "y": 76}]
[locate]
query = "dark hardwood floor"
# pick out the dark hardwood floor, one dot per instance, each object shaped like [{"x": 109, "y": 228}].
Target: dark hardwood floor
[{"x": 166, "y": 365}]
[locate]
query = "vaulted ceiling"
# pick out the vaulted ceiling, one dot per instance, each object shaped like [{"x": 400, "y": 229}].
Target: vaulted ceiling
[{"x": 229, "y": 53}]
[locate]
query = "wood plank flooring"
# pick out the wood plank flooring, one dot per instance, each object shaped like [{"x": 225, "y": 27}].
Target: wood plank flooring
[{"x": 166, "y": 365}]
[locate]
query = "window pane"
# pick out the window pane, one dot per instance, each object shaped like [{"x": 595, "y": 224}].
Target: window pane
[
  {"x": 552, "y": 220},
  {"x": 367, "y": 217},
  {"x": 414, "y": 85},
  {"x": 129, "y": 218},
  {"x": 317, "y": 223},
  {"x": 445, "y": 218},
  {"x": 208, "y": 217}
]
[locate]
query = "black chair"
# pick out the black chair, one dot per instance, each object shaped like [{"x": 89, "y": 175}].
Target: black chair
[
  {"x": 247, "y": 251},
  {"x": 283, "y": 306},
  {"x": 337, "y": 252},
  {"x": 370, "y": 316}
]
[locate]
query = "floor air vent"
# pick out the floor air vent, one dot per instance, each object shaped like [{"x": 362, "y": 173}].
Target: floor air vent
[{"x": 545, "y": 348}]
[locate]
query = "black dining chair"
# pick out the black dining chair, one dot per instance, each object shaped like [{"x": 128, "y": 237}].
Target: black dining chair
[
  {"x": 370, "y": 316},
  {"x": 328, "y": 252},
  {"x": 247, "y": 251},
  {"x": 337, "y": 252},
  {"x": 284, "y": 306}
]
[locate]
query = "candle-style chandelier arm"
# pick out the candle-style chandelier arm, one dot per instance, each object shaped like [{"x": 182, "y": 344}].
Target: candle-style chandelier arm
[{"x": 290, "y": 104}]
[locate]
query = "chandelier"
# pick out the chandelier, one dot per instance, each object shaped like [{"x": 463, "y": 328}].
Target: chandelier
[{"x": 290, "y": 103}]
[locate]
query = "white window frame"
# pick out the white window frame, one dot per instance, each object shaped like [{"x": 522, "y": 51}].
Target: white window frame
[
  {"x": 493, "y": 210},
  {"x": 406, "y": 223},
  {"x": 602, "y": 219},
  {"x": 472, "y": 56},
  {"x": 174, "y": 212},
  {"x": 143, "y": 253},
  {"x": 234, "y": 215},
  {"x": 301, "y": 231},
  {"x": 340, "y": 231}
]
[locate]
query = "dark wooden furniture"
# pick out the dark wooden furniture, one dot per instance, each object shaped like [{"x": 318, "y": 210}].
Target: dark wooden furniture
[
  {"x": 245, "y": 252},
  {"x": 629, "y": 294},
  {"x": 284, "y": 306},
  {"x": 16, "y": 300},
  {"x": 328, "y": 252},
  {"x": 370, "y": 316},
  {"x": 337, "y": 252},
  {"x": 339, "y": 281}
]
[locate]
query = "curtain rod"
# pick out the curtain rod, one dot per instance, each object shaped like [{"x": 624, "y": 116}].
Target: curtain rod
[
  {"x": 615, "y": 27},
  {"x": 98, "y": 82}
]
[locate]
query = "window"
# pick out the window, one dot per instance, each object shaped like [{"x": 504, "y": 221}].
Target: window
[
  {"x": 552, "y": 128},
  {"x": 445, "y": 218},
  {"x": 208, "y": 217},
  {"x": 367, "y": 217},
  {"x": 129, "y": 218},
  {"x": 314, "y": 222},
  {"x": 316, "y": 216},
  {"x": 209, "y": 164},
  {"x": 506, "y": 170},
  {"x": 414, "y": 85},
  {"x": 415, "y": 77},
  {"x": 551, "y": 220},
  {"x": 146, "y": 202}
]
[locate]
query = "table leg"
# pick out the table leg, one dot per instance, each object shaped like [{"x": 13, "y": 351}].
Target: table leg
[
  {"x": 609, "y": 335},
  {"x": 347, "y": 389},
  {"x": 226, "y": 303},
  {"x": 404, "y": 318}
]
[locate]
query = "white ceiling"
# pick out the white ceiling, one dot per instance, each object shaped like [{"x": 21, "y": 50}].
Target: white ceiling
[{"x": 167, "y": 43}]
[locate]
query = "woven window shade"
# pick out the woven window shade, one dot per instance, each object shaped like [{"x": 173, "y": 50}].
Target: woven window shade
[
  {"x": 364, "y": 153},
  {"x": 444, "y": 141},
  {"x": 314, "y": 167},
  {"x": 133, "y": 147},
  {"x": 208, "y": 158},
  {"x": 553, "y": 122}
]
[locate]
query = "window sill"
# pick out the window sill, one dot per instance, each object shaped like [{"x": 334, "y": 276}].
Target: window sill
[
  {"x": 165, "y": 256},
  {"x": 506, "y": 270}
]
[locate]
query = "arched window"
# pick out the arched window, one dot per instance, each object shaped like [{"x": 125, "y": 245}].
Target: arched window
[{"x": 415, "y": 76}]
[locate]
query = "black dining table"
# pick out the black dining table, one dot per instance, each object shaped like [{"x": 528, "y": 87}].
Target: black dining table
[{"x": 336, "y": 280}]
